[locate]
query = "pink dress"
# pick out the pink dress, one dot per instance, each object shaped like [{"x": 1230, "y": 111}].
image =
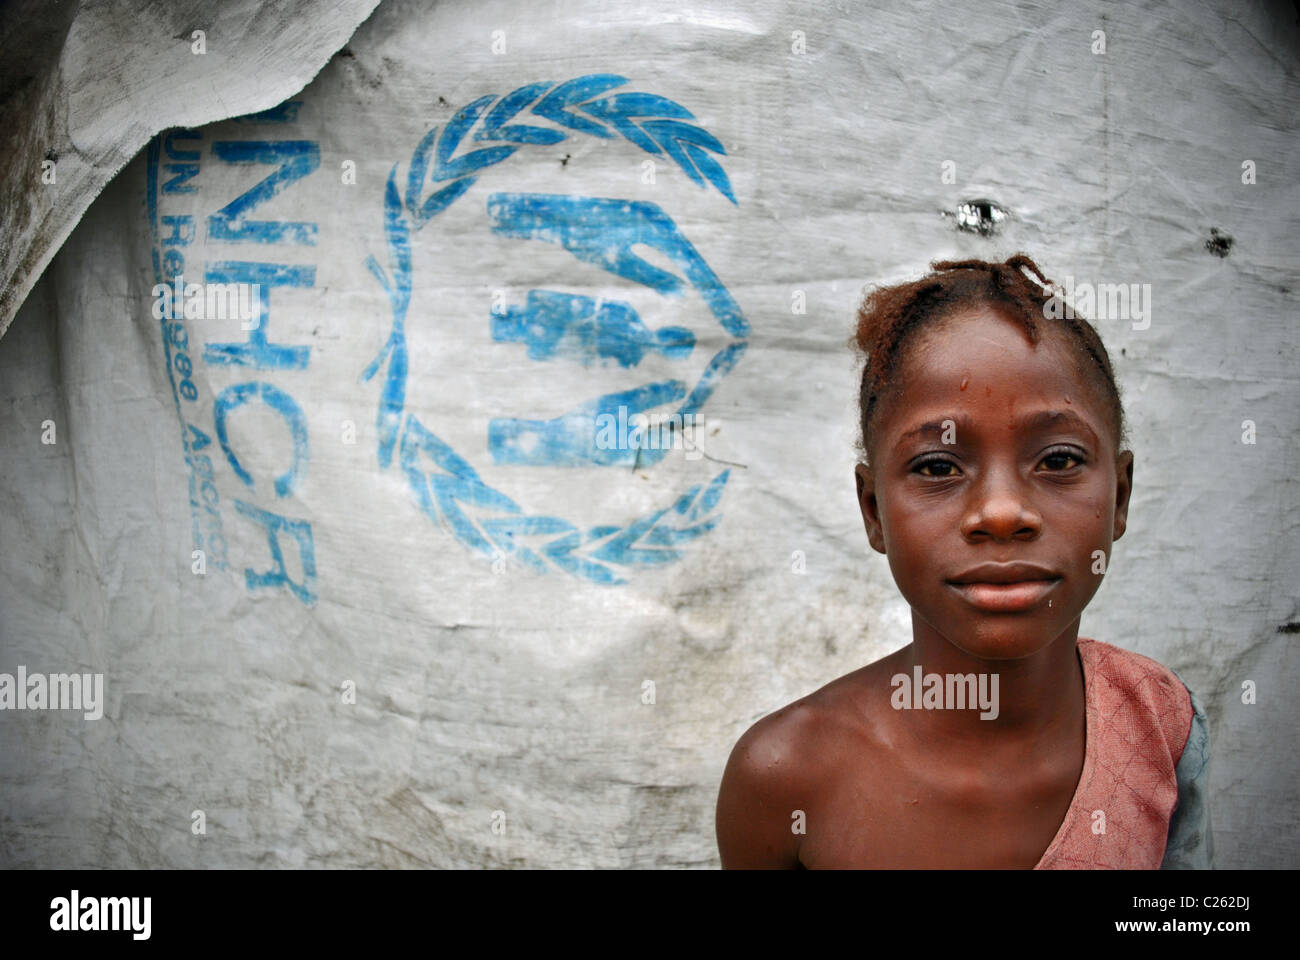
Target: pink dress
[{"x": 1140, "y": 719}]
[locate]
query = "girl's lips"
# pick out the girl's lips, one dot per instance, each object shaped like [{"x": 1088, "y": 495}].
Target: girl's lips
[{"x": 1006, "y": 597}]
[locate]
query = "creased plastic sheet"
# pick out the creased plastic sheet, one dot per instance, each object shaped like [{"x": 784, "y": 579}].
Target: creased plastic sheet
[
  {"x": 366, "y": 585},
  {"x": 83, "y": 85}
]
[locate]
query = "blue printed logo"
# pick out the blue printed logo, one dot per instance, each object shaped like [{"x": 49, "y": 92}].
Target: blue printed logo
[
  {"x": 551, "y": 325},
  {"x": 175, "y": 195}
]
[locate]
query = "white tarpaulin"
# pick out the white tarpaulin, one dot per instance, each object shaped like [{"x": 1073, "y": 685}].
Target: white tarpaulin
[
  {"x": 84, "y": 84},
  {"x": 366, "y": 582}
]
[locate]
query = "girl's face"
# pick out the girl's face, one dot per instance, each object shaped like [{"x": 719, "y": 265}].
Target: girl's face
[{"x": 995, "y": 490}]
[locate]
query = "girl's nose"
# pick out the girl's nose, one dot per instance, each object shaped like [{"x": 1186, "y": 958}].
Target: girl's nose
[{"x": 1000, "y": 509}]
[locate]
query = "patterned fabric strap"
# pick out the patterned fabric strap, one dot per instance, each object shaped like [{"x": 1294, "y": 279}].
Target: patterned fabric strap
[
  {"x": 1191, "y": 838},
  {"x": 1139, "y": 720}
]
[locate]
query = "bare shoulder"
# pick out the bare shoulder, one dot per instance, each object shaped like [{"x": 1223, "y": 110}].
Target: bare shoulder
[{"x": 779, "y": 769}]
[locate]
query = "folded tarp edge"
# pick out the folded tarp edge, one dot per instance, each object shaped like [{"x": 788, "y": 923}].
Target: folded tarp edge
[{"x": 73, "y": 130}]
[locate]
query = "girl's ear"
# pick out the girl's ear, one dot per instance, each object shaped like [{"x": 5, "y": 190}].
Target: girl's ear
[
  {"x": 1123, "y": 490},
  {"x": 866, "y": 482}
]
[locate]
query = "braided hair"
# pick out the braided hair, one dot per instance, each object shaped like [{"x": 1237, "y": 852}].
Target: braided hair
[{"x": 888, "y": 316}]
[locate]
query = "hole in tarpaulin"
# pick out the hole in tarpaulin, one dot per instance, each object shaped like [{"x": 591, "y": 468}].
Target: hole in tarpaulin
[
  {"x": 979, "y": 216},
  {"x": 1219, "y": 244}
]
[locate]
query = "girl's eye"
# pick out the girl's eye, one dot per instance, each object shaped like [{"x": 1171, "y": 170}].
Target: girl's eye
[
  {"x": 1057, "y": 460},
  {"x": 936, "y": 468}
]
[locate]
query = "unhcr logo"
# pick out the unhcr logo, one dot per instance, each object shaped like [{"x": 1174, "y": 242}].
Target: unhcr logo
[{"x": 632, "y": 422}]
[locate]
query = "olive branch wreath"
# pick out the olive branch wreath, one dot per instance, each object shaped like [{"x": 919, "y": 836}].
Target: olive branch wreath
[{"x": 454, "y": 497}]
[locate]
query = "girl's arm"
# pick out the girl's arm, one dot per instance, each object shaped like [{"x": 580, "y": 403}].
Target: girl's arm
[{"x": 756, "y": 802}]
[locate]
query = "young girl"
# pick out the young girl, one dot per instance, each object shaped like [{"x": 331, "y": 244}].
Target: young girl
[{"x": 994, "y": 481}]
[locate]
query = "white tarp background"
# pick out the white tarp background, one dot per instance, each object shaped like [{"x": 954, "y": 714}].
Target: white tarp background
[{"x": 447, "y": 543}]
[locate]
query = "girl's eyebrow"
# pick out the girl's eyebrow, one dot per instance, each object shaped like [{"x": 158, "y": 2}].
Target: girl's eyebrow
[{"x": 1036, "y": 421}]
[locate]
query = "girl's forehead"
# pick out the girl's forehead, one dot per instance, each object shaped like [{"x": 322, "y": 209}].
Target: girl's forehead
[
  {"x": 984, "y": 364},
  {"x": 988, "y": 345}
]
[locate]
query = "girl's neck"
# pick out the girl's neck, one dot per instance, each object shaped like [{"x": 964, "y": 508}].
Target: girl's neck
[{"x": 1033, "y": 695}]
